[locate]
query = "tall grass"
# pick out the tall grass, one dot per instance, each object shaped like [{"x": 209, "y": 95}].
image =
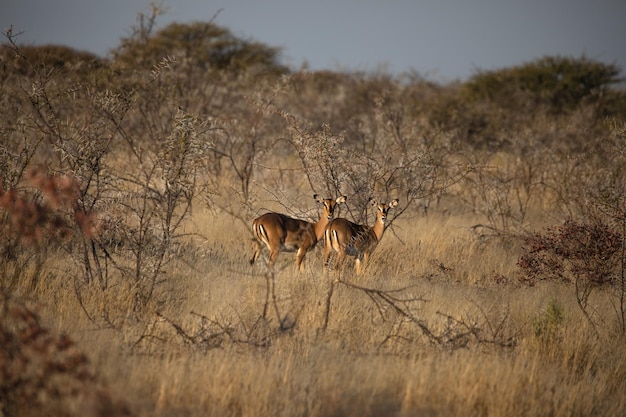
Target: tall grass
[{"x": 208, "y": 353}]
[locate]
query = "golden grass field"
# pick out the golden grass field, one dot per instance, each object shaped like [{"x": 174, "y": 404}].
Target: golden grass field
[{"x": 368, "y": 362}]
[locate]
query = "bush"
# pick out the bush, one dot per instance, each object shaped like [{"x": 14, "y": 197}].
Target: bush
[
  {"x": 588, "y": 255},
  {"x": 559, "y": 83},
  {"x": 573, "y": 251},
  {"x": 42, "y": 373},
  {"x": 547, "y": 326}
]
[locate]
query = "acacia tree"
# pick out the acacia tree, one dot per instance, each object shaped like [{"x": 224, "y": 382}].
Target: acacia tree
[{"x": 205, "y": 45}]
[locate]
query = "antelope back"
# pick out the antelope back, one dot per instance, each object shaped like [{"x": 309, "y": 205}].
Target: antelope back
[
  {"x": 342, "y": 235},
  {"x": 279, "y": 232}
]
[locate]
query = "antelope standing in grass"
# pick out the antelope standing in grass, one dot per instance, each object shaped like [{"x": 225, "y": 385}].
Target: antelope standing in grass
[
  {"x": 283, "y": 233},
  {"x": 356, "y": 240}
]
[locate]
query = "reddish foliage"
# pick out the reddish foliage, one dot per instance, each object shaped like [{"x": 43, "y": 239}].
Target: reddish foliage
[
  {"x": 33, "y": 219},
  {"x": 42, "y": 373},
  {"x": 573, "y": 250}
]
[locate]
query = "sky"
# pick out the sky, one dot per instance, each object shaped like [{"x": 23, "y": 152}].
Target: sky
[{"x": 441, "y": 40}]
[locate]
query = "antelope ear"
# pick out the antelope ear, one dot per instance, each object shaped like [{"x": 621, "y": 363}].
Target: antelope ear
[
  {"x": 317, "y": 198},
  {"x": 373, "y": 201},
  {"x": 341, "y": 199},
  {"x": 394, "y": 203}
]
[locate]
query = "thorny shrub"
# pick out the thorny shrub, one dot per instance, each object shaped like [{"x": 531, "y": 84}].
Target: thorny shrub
[{"x": 123, "y": 161}]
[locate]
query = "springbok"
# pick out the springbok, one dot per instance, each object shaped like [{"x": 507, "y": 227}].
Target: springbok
[
  {"x": 356, "y": 240},
  {"x": 283, "y": 233}
]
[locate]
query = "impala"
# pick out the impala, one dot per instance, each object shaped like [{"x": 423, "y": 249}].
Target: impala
[
  {"x": 357, "y": 240},
  {"x": 283, "y": 233}
]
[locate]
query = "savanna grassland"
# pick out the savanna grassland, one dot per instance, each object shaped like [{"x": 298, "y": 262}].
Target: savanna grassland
[{"x": 128, "y": 189}]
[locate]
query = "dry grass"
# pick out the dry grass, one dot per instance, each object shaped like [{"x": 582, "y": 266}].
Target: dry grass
[
  {"x": 368, "y": 361},
  {"x": 438, "y": 325}
]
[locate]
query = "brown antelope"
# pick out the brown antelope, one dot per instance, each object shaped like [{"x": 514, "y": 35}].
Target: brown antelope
[
  {"x": 357, "y": 240},
  {"x": 282, "y": 233}
]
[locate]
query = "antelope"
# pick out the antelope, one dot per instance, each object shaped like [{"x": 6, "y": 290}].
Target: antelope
[
  {"x": 283, "y": 233},
  {"x": 356, "y": 240}
]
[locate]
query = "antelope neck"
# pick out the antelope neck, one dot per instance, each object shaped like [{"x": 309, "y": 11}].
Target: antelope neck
[
  {"x": 320, "y": 226},
  {"x": 379, "y": 227}
]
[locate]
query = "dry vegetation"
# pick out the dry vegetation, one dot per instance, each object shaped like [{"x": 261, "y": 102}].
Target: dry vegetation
[{"x": 127, "y": 190}]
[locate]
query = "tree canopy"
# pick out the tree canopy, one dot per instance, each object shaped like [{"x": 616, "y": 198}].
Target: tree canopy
[
  {"x": 206, "y": 44},
  {"x": 560, "y": 83}
]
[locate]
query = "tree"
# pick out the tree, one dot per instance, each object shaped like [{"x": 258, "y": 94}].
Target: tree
[
  {"x": 207, "y": 45},
  {"x": 560, "y": 83}
]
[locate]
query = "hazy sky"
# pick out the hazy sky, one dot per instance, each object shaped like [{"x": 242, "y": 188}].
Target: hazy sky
[{"x": 440, "y": 39}]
